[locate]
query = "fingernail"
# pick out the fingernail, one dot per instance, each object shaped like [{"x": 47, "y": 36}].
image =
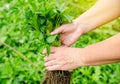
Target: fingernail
[
  {"x": 48, "y": 68},
  {"x": 45, "y": 58},
  {"x": 44, "y": 51},
  {"x": 52, "y": 33},
  {"x": 45, "y": 65}
]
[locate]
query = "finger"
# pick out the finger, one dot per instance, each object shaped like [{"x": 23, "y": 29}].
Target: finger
[
  {"x": 44, "y": 51},
  {"x": 54, "y": 67},
  {"x": 50, "y": 58},
  {"x": 53, "y": 49},
  {"x": 62, "y": 43},
  {"x": 61, "y": 39},
  {"x": 58, "y": 30},
  {"x": 66, "y": 44},
  {"x": 50, "y": 63}
]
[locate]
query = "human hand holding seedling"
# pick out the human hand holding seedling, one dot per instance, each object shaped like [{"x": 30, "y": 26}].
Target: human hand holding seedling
[
  {"x": 70, "y": 33},
  {"x": 63, "y": 58}
]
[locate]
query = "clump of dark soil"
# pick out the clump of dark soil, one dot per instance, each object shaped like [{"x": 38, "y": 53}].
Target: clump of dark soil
[{"x": 57, "y": 77}]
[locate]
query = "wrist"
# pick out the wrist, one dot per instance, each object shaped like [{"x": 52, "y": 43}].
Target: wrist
[
  {"x": 94, "y": 54},
  {"x": 84, "y": 57},
  {"x": 84, "y": 25},
  {"x": 88, "y": 56}
]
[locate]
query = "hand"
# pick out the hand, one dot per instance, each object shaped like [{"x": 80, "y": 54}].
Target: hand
[
  {"x": 69, "y": 33},
  {"x": 64, "y": 58}
]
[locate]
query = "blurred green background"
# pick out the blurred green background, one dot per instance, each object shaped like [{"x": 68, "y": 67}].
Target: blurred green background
[{"x": 15, "y": 70}]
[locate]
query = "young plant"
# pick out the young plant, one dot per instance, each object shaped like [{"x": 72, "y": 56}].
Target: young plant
[{"x": 44, "y": 21}]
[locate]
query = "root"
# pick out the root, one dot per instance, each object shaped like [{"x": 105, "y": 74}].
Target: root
[{"x": 57, "y": 77}]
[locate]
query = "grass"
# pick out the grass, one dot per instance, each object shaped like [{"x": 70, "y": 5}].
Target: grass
[{"x": 16, "y": 70}]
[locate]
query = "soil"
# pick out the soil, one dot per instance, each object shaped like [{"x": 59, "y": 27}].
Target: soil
[{"x": 57, "y": 77}]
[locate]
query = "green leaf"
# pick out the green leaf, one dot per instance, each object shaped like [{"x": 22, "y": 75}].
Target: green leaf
[
  {"x": 41, "y": 36},
  {"x": 51, "y": 39},
  {"x": 48, "y": 49},
  {"x": 41, "y": 48},
  {"x": 3, "y": 39},
  {"x": 28, "y": 13}
]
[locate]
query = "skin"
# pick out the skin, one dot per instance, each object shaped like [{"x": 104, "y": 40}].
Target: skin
[{"x": 105, "y": 52}]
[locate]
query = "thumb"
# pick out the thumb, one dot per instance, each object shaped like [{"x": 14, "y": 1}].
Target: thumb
[{"x": 57, "y": 31}]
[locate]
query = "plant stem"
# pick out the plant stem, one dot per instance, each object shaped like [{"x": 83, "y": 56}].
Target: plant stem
[{"x": 22, "y": 56}]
